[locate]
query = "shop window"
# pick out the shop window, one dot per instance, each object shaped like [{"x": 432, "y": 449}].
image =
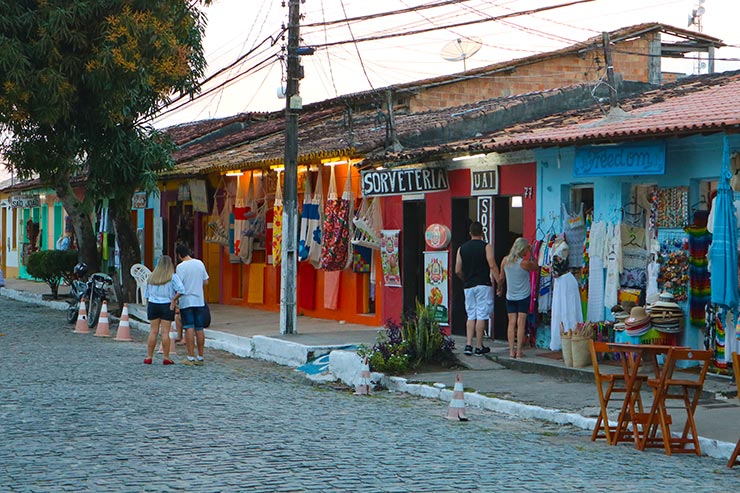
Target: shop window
[{"x": 582, "y": 194}]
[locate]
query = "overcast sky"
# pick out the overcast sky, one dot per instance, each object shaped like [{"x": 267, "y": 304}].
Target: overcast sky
[{"x": 237, "y": 26}]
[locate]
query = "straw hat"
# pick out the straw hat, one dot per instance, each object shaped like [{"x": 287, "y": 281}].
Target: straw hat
[
  {"x": 638, "y": 316},
  {"x": 666, "y": 296}
]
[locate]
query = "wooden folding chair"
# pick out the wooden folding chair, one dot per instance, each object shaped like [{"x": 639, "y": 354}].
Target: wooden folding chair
[
  {"x": 736, "y": 369},
  {"x": 615, "y": 383},
  {"x": 671, "y": 386}
]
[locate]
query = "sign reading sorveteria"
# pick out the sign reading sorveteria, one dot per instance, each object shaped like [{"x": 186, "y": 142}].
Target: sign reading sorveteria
[{"x": 403, "y": 181}]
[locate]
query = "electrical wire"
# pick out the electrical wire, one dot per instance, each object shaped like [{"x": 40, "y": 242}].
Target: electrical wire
[
  {"x": 357, "y": 49},
  {"x": 361, "y": 18}
]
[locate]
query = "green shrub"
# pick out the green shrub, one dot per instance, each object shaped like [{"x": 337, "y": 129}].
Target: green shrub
[{"x": 52, "y": 266}]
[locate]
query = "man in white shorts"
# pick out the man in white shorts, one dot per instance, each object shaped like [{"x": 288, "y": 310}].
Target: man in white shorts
[{"x": 477, "y": 268}]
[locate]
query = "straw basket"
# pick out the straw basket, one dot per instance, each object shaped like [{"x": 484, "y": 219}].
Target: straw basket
[
  {"x": 580, "y": 353},
  {"x": 565, "y": 337}
]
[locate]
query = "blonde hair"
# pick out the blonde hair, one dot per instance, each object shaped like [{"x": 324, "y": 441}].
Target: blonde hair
[
  {"x": 162, "y": 273},
  {"x": 518, "y": 248}
]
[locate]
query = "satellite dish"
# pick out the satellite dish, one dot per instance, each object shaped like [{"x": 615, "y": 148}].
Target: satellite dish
[{"x": 461, "y": 49}]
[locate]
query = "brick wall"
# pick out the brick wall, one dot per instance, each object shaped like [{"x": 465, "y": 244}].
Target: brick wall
[{"x": 628, "y": 57}]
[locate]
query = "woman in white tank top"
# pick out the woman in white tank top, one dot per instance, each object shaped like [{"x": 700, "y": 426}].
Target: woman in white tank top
[{"x": 516, "y": 269}]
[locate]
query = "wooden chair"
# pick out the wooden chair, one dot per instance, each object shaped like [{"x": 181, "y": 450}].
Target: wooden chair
[
  {"x": 615, "y": 383},
  {"x": 671, "y": 386},
  {"x": 736, "y": 369}
]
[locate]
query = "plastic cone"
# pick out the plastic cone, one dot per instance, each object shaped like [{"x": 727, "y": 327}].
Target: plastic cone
[
  {"x": 364, "y": 382},
  {"x": 456, "y": 410},
  {"x": 81, "y": 325},
  {"x": 124, "y": 331},
  {"x": 103, "y": 327}
]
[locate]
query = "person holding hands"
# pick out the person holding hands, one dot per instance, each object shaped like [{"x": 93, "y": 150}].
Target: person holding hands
[{"x": 516, "y": 267}]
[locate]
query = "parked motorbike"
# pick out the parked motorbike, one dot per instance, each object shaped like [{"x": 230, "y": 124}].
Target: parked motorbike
[{"x": 93, "y": 289}]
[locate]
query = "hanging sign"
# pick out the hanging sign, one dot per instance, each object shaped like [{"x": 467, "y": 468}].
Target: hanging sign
[
  {"x": 484, "y": 182},
  {"x": 437, "y": 236},
  {"x": 485, "y": 207},
  {"x": 25, "y": 201},
  {"x": 435, "y": 284},
  {"x": 390, "y": 257},
  {"x": 139, "y": 200},
  {"x": 403, "y": 181},
  {"x": 633, "y": 159}
]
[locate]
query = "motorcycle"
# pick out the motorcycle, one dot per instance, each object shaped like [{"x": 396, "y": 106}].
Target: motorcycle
[{"x": 94, "y": 291}]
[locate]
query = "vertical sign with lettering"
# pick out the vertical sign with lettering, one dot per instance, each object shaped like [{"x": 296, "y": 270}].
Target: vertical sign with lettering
[{"x": 485, "y": 204}]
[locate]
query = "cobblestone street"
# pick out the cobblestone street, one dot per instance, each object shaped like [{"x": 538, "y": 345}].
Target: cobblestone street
[{"x": 80, "y": 413}]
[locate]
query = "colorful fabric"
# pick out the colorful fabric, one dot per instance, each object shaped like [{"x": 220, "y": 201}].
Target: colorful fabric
[
  {"x": 390, "y": 258},
  {"x": 699, "y": 278},
  {"x": 361, "y": 259},
  {"x": 336, "y": 234},
  {"x": 277, "y": 225},
  {"x": 309, "y": 240}
]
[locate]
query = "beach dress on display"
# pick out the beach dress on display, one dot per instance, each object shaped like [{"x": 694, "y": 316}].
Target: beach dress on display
[
  {"x": 574, "y": 229},
  {"x": 596, "y": 253}
]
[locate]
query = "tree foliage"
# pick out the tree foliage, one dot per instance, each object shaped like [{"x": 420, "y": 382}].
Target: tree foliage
[{"x": 77, "y": 78}]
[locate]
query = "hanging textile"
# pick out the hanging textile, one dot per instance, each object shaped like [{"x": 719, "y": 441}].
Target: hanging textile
[
  {"x": 253, "y": 225},
  {"x": 544, "y": 293},
  {"x": 368, "y": 222},
  {"x": 314, "y": 239},
  {"x": 361, "y": 259},
  {"x": 699, "y": 280},
  {"x": 277, "y": 225},
  {"x": 217, "y": 230},
  {"x": 597, "y": 239},
  {"x": 574, "y": 229},
  {"x": 613, "y": 267},
  {"x": 673, "y": 207},
  {"x": 242, "y": 212},
  {"x": 309, "y": 220},
  {"x": 331, "y": 289},
  {"x": 337, "y": 211}
]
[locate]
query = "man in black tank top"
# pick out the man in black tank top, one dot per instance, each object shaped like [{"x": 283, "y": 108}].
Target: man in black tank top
[{"x": 477, "y": 268}]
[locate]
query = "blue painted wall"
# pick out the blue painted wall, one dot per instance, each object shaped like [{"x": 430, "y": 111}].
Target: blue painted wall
[{"x": 689, "y": 161}]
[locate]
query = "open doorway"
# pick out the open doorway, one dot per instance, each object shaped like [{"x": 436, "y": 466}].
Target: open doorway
[
  {"x": 508, "y": 225},
  {"x": 412, "y": 248}
]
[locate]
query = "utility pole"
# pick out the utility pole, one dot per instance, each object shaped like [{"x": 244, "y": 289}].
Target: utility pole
[
  {"x": 289, "y": 267},
  {"x": 613, "y": 102}
]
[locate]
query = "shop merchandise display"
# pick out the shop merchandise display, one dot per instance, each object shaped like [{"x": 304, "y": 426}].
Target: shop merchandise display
[
  {"x": 335, "y": 244},
  {"x": 699, "y": 277},
  {"x": 574, "y": 231},
  {"x": 672, "y": 207}
]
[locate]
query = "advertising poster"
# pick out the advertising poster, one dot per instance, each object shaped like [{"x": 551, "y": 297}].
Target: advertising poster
[
  {"x": 390, "y": 257},
  {"x": 435, "y": 284}
]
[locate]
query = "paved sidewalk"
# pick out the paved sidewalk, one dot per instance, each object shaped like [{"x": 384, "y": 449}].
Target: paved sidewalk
[{"x": 536, "y": 386}]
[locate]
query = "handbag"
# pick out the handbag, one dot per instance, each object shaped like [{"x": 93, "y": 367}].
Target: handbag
[{"x": 206, "y": 316}]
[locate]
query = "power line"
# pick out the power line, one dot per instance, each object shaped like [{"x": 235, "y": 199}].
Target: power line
[
  {"x": 449, "y": 26},
  {"x": 357, "y": 49},
  {"x": 384, "y": 14}
]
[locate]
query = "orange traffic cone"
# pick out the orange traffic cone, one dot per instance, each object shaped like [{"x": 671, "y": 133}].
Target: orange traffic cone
[
  {"x": 103, "y": 328},
  {"x": 364, "y": 382},
  {"x": 124, "y": 331},
  {"x": 456, "y": 410},
  {"x": 81, "y": 325}
]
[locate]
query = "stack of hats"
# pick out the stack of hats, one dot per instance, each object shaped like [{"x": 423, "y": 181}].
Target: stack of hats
[
  {"x": 638, "y": 323},
  {"x": 620, "y": 315},
  {"x": 666, "y": 315}
]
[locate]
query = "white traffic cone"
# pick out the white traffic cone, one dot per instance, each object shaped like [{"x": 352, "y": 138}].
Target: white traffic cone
[
  {"x": 364, "y": 382},
  {"x": 456, "y": 410},
  {"x": 124, "y": 331},
  {"x": 81, "y": 325},
  {"x": 103, "y": 327}
]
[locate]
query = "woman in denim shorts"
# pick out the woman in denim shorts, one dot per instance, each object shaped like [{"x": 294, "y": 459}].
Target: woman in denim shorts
[
  {"x": 516, "y": 270},
  {"x": 163, "y": 288}
]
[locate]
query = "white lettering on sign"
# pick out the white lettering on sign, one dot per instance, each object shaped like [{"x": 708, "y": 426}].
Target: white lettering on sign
[
  {"x": 403, "y": 181},
  {"x": 484, "y": 216},
  {"x": 484, "y": 182},
  {"x": 25, "y": 202}
]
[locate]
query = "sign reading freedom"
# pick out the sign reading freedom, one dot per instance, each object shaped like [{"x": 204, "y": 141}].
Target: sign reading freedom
[
  {"x": 402, "y": 181},
  {"x": 635, "y": 159}
]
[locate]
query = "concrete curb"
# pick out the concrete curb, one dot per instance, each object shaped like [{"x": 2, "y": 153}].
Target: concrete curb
[{"x": 346, "y": 366}]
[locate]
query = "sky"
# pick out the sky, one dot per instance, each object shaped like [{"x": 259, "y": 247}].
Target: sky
[{"x": 237, "y": 27}]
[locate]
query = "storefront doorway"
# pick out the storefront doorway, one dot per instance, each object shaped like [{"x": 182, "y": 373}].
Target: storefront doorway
[{"x": 412, "y": 251}]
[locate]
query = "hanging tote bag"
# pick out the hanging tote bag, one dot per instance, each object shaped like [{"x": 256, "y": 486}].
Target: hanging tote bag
[
  {"x": 254, "y": 224},
  {"x": 335, "y": 241},
  {"x": 217, "y": 230},
  {"x": 314, "y": 238},
  {"x": 277, "y": 225}
]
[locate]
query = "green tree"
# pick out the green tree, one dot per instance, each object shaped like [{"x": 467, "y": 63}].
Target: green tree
[{"x": 77, "y": 78}]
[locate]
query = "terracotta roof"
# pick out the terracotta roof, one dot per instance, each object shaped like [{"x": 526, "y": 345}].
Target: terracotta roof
[{"x": 700, "y": 104}]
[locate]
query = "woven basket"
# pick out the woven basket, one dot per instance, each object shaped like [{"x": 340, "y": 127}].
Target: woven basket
[
  {"x": 565, "y": 337},
  {"x": 580, "y": 353}
]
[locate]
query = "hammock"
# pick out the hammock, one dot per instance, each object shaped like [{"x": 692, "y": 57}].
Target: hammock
[
  {"x": 255, "y": 224},
  {"x": 277, "y": 225},
  {"x": 314, "y": 243},
  {"x": 309, "y": 239},
  {"x": 335, "y": 247},
  {"x": 368, "y": 223}
]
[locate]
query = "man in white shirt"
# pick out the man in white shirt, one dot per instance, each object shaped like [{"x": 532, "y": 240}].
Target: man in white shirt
[{"x": 192, "y": 303}]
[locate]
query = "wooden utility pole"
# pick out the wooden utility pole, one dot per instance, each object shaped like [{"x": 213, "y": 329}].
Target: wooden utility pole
[
  {"x": 613, "y": 102},
  {"x": 289, "y": 267}
]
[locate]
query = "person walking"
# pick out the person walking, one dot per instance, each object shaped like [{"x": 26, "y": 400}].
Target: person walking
[
  {"x": 163, "y": 288},
  {"x": 192, "y": 303},
  {"x": 516, "y": 280},
  {"x": 477, "y": 268}
]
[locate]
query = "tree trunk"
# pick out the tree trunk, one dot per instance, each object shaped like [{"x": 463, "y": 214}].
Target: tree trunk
[
  {"x": 128, "y": 244},
  {"x": 84, "y": 231}
]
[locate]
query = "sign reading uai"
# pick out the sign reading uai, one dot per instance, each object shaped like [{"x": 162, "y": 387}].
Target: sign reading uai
[
  {"x": 484, "y": 182},
  {"x": 403, "y": 181}
]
